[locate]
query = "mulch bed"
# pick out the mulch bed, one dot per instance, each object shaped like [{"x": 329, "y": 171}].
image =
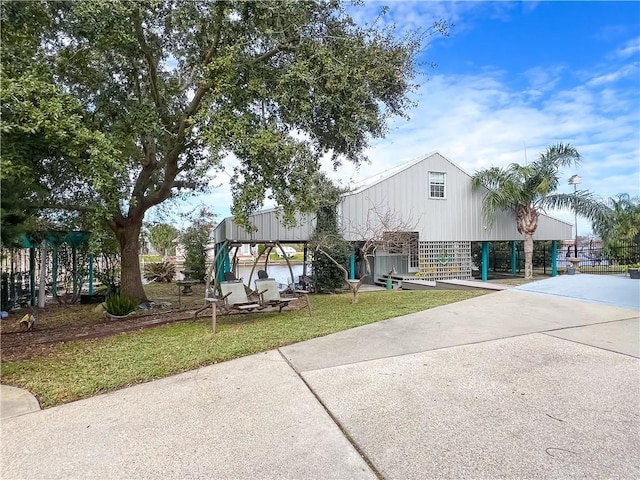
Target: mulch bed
[{"x": 17, "y": 344}]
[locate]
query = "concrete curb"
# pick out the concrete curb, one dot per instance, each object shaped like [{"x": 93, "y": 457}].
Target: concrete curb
[{"x": 16, "y": 401}]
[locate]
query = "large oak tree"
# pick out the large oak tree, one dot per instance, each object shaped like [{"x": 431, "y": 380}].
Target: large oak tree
[{"x": 177, "y": 86}]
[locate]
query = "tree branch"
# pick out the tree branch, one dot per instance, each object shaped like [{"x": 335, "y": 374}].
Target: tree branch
[
  {"x": 288, "y": 47},
  {"x": 171, "y": 160},
  {"x": 184, "y": 184},
  {"x": 153, "y": 68},
  {"x": 217, "y": 29}
]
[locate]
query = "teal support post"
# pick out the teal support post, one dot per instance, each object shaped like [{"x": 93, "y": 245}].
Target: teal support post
[
  {"x": 216, "y": 265},
  {"x": 352, "y": 266},
  {"x": 554, "y": 258},
  {"x": 219, "y": 263},
  {"x": 514, "y": 258},
  {"x": 227, "y": 263},
  {"x": 91, "y": 274},
  {"x": 222, "y": 264},
  {"x": 32, "y": 275},
  {"x": 485, "y": 261}
]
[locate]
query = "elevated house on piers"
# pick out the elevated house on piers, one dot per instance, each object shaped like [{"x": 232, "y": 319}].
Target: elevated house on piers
[{"x": 432, "y": 199}]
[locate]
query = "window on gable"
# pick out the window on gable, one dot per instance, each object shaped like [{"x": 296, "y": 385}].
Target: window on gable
[{"x": 436, "y": 184}]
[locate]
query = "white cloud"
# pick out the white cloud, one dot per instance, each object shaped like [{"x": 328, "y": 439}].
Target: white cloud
[
  {"x": 629, "y": 48},
  {"x": 479, "y": 121},
  {"x": 543, "y": 79},
  {"x": 624, "y": 71}
]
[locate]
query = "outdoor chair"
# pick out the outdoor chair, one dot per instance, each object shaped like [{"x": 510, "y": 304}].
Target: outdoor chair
[
  {"x": 267, "y": 289},
  {"x": 234, "y": 297}
]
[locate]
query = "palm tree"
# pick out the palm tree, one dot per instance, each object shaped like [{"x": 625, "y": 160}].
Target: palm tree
[
  {"x": 527, "y": 190},
  {"x": 622, "y": 222}
]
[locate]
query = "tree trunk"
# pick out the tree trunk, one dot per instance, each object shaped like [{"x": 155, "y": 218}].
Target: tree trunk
[
  {"x": 130, "y": 278},
  {"x": 527, "y": 223},
  {"x": 528, "y": 256},
  {"x": 354, "y": 286}
]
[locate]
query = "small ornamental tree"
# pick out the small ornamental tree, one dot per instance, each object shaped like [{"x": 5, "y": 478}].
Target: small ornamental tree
[
  {"x": 195, "y": 240},
  {"x": 162, "y": 237},
  {"x": 381, "y": 228},
  {"x": 330, "y": 251}
]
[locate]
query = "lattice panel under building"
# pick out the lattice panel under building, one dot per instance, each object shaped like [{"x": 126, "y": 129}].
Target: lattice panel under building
[{"x": 444, "y": 260}]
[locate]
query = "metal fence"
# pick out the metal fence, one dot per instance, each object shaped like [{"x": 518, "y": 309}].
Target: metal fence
[
  {"x": 613, "y": 259},
  {"x": 15, "y": 290},
  {"x": 595, "y": 260}
]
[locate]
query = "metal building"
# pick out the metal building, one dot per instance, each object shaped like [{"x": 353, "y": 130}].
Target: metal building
[
  {"x": 429, "y": 200},
  {"x": 268, "y": 228}
]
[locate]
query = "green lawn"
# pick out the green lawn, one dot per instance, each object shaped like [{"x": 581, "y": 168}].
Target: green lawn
[{"x": 80, "y": 369}]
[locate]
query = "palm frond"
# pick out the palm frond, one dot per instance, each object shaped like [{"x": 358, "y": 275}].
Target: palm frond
[
  {"x": 489, "y": 178},
  {"x": 558, "y": 156},
  {"x": 622, "y": 220},
  {"x": 504, "y": 189},
  {"x": 582, "y": 202},
  {"x": 532, "y": 185}
]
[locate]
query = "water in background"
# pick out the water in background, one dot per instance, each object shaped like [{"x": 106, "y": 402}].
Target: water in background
[{"x": 279, "y": 272}]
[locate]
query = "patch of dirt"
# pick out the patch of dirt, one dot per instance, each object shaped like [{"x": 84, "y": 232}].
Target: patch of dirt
[
  {"x": 58, "y": 323},
  {"x": 63, "y": 323},
  {"x": 18, "y": 344}
]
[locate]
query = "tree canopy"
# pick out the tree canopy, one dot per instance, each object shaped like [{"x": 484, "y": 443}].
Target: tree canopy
[
  {"x": 621, "y": 222},
  {"x": 173, "y": 87},
  {"x": 49, "y": 157},
  {"x": 162, "y": 237}
]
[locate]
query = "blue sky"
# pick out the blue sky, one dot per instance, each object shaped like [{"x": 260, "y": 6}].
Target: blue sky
[{"x": 516, "y": 76}]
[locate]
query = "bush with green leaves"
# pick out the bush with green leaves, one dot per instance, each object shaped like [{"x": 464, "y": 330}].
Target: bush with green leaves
[
  {"x": 327, "y": 275},
  {"x": 120, "y": 306},
  {"x": 195, "y": 239},
  {"x": 160, "y": 272}
]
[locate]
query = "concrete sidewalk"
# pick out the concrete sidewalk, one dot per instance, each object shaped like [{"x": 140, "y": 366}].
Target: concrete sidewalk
[
  {"x": 511, "y": 384},
  {"x": 16, "y": 401}
]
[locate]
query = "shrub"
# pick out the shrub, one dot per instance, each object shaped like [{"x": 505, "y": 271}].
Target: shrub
[
  {"x": 328, "y": 276},
  {"x": 159, "y": 272},
  {"x": 120, "y": 306},
  {"x": 195, "y": 239}
]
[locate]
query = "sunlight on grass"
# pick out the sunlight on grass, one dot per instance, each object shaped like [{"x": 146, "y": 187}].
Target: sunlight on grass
[{"x": 81, "y": 369}]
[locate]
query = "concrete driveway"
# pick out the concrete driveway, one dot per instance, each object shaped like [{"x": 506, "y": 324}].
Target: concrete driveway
[{"x": 511, "y": 384}]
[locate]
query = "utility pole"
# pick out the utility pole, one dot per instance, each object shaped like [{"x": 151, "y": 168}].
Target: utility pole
[{"x": 575, "y": 180}]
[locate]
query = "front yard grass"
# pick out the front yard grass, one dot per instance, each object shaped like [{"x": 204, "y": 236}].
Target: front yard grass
[{"x": 80, "y": 369}]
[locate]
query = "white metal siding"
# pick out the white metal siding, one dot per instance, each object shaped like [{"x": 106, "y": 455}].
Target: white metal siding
[
  {"x": 457, "y": 217},
  {"x": 268, "y": 229}
]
